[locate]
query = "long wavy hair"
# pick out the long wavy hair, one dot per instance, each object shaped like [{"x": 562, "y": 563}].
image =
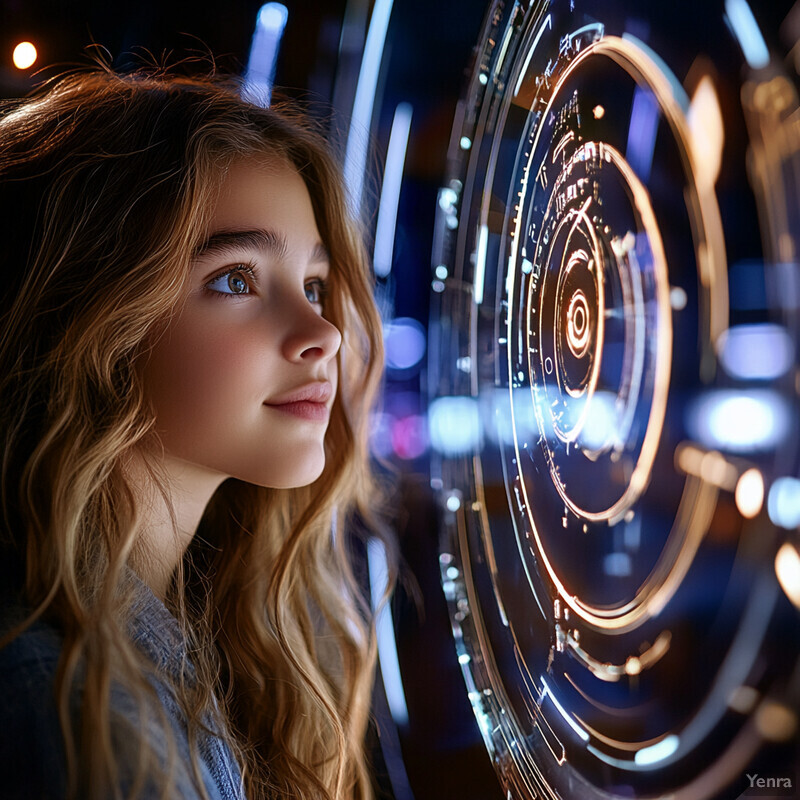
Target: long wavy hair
[{"x": 106, "y": 185}]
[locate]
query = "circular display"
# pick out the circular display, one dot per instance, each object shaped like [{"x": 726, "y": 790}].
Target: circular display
[{"x": 610, "y": 558}]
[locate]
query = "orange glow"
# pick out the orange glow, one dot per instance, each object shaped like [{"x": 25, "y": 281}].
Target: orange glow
[{"x": 25, "y": 55}]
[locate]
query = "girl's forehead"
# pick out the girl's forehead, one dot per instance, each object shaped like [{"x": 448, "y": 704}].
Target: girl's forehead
[{"x": 268, "y": 201}]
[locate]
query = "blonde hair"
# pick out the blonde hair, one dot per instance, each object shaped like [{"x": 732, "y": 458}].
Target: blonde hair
[{"x": 107, "y": 182}]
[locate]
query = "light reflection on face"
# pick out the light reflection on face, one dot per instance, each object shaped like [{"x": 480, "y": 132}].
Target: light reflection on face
[{"x": 243, "y": 378}]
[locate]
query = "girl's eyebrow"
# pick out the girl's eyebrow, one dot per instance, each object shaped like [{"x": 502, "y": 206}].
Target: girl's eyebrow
[{"x": 228, "y": 241}]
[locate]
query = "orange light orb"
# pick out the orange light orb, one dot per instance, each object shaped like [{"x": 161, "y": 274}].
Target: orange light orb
[{"x": 24, "y": 55}]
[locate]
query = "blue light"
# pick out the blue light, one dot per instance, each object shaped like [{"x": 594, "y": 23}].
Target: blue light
[
  {"x": 405, "y": 341},
  {"x": 642, "y": 132},
  {"x": 745, "y": 29},
  {"x": 617, "y": 564},
  {"x": 568, "y": 718},
  {"x": 273, "y": 16},
  {"x": 390, "y": 190},
  {"x": 384, "y": 628},
  {"x": 657, "y": 752},
  {"x": 739, "y": 421},
  {"x": 355, "y": 158},
  {"x": 454, "y": 424},
  {"x": 496, "y": 416},
  {"x": 260, "y": 74},
  {"x": 600, "y": 423},
  {"x": 783, "y": 502},
  {"x": 756, "y": 352}
]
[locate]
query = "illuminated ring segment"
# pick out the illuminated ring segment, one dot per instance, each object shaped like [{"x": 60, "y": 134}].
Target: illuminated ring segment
[
  {"x": 566, "y": 330},
  {"x": 578, "y": 325},
  {"x": 566, "y": 397}
]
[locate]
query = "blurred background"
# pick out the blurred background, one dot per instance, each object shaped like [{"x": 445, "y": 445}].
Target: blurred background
[{"x": 384, "y": 80}]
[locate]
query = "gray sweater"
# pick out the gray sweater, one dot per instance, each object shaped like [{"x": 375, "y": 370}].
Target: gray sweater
[{"x": 32, "y": 758}]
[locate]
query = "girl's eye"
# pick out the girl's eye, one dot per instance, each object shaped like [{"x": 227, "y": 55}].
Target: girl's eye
[
  {"x": 316, "y": 290},
  {"x": 234, "y": 281}
]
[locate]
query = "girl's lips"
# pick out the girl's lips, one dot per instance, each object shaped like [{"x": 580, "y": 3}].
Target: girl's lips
[
  {"x": 304, "y": 409},
  {"x": 306, "y": 402},
  {"x": 316, "y": 392}
]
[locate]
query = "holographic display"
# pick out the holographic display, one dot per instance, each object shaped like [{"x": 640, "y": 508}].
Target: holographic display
[{"x": 614, "y": 402}]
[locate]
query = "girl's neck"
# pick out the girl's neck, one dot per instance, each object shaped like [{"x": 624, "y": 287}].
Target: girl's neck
[{"x": 168, "y": 524}]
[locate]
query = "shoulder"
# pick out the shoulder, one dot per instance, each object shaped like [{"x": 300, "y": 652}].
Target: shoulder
[
  {"x": 31, "y": 746},
  {"x": 32, "y": 753},
  {"x": 28, "y": 664}
]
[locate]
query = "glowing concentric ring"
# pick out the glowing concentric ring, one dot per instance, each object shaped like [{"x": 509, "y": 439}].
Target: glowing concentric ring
[{"x": 583, "y": 566}]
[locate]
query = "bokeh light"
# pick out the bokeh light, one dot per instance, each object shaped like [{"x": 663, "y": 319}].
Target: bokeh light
[{"x": 24, "y": 55}]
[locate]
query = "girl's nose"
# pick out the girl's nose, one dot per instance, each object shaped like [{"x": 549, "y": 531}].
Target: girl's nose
[{"x": 312, "y": 337}]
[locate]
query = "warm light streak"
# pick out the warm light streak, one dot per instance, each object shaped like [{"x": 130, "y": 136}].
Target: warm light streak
[
  {"x": 706, "y": 131},
  {"x": 787, "y": 568},
  {"x": 710, "y": 466}
]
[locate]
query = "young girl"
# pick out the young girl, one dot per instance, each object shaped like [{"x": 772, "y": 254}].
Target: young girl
[{"x": 189, "y": 349}]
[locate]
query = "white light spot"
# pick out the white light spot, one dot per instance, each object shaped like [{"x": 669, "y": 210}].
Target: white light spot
[
  {"x": 24, "y": 55},
  {"x": 678, "y": 298},
  {"x": 750, "y": 493},
  {"x": 743, "y": 699},
  {"x": 447, "y": 198},
  {"x": 657, "y": 752},
  {"x": 633, "y": 666},
  {"x": 739, "y": 421},
  {"x": 453, "y": 502}
]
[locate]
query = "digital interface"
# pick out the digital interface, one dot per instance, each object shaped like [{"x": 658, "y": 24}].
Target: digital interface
[{"x": 614, "y": 350}]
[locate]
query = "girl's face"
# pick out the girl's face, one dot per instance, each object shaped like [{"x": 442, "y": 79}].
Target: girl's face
[{"x": 243, "y": 378}]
